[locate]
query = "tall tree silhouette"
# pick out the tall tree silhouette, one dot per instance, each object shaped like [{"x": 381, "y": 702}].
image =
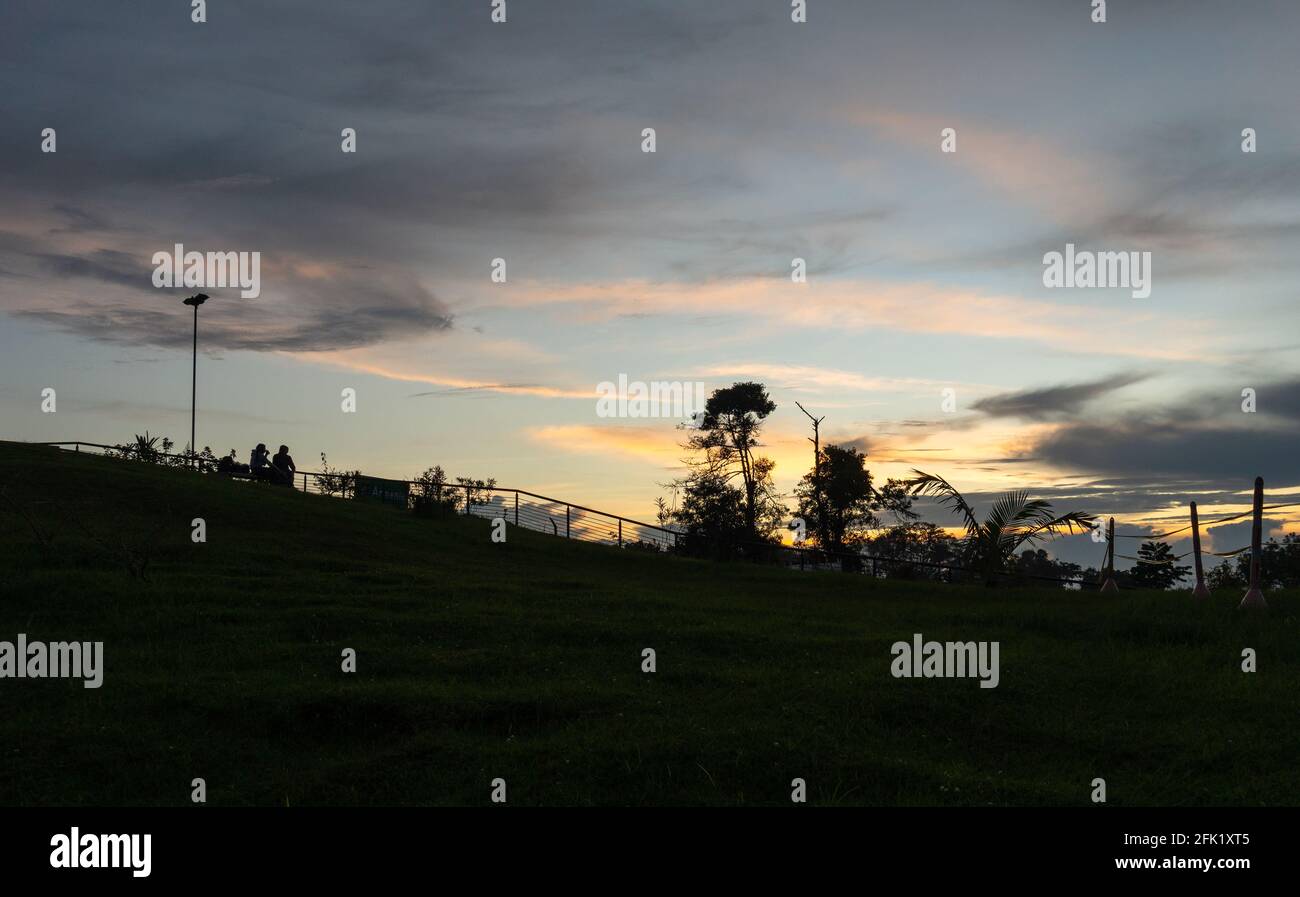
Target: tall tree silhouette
[
  {"x": 836, "y": 498},
  {"x": 838, "y": 501},
  {"x": 725, "y": 447}
]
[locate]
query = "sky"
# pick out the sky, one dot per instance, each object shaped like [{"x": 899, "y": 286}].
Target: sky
[{"x": 774, "y": 140}]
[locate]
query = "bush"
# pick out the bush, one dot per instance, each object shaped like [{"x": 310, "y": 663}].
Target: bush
[{"x": 342, "y": 483}]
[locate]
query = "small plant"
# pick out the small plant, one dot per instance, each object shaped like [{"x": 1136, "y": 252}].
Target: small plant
[
  {"x": 146, "y": 448},
  {"x": 330, "y": 481}
]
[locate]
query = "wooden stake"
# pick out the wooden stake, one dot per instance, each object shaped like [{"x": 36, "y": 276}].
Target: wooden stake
[
  {"x": 1254, "y": 598},
  {"x": 1201, "y": 590},
  {"x": 1109, "y": 584}
]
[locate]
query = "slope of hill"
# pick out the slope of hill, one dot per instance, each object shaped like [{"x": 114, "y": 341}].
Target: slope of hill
[{"x": 523, "y": 661}]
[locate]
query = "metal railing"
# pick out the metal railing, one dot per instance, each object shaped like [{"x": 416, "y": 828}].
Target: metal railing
[
  {"x": 568, "y": 520},
  {"x": 476, "y": 499}
]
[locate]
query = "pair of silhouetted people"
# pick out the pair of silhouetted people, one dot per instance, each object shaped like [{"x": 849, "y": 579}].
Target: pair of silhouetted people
[{"x": 279, "y": 469}]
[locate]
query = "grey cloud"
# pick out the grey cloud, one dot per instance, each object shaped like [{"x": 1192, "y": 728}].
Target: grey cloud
[
  {"x": 1219, "y": 454},
  {"x": 293, "y": 314},
  {"x": 1231, "y": 536},
  {"x": 451, "y": 151},
  {"x": 78, "y": 220},
  {"x": 104, "y": 265},
  {"x": 1056, "y": 402},
  {"x": 1183, "y": 177}
]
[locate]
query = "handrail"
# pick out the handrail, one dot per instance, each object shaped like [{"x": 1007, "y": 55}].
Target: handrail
[
  {"x": 314, "y": 473},
  {"x": 802, "y": 552}
]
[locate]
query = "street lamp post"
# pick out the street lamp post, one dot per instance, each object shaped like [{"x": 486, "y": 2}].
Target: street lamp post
[{"x": 196, "y": 301}]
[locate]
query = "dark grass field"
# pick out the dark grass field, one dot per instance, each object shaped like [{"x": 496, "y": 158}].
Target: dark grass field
[{"x": 523, "y": 661}]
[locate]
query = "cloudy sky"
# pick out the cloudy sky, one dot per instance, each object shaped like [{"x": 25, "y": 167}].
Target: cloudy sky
[{"x": 775, "y": 140}]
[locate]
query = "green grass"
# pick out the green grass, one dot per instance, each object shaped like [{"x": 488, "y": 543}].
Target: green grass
[{"x": 523, "y": 661}]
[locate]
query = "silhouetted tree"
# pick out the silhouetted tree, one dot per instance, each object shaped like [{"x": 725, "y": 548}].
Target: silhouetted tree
[
  {"x": 724, "y": 448},
  {"x": 914, "y": 551},
  {"x": 1279, "y": 566},
  {"x": 1227, "y": 576},
  {"x": 477, "y": 492},
  {"x": 711, "y": 519},
  {"x": 1280, "y": 562},
  {"x": 840, "y": 506},
  {"x": 1036, "y": 565},
  {"x": 837, "y": 505},
  {"x": 430, "y": 493},
  {"x": 1157, "y": 569}
]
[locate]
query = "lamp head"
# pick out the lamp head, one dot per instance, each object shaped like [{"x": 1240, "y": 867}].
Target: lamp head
[{"x": 197, "y": 299}]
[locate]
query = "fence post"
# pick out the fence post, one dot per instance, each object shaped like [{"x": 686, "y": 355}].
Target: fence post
[
  {"x": 620, "y": 532},
  {"x": 1109, "y": 585},
  {"x": 566, "y": 521},
  {"x": 466, "y": 501},
  {"x": 1200, "y": 591},
  {"x": 304, "y": 482},
  {"x": 516, "y": 507},
  {"x": 1254, "y": 598}
]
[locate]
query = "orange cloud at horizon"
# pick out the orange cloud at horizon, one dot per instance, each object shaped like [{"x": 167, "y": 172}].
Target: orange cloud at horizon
[{"x": 651, "y": 443}]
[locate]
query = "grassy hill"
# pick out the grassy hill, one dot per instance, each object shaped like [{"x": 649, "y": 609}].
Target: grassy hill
[{"x": 523, "y": 661}]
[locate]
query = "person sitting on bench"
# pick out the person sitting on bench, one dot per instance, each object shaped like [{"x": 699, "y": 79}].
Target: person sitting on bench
[
  {"x": 258, "y": 464},
  {"x": 284, "y": 467}
]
